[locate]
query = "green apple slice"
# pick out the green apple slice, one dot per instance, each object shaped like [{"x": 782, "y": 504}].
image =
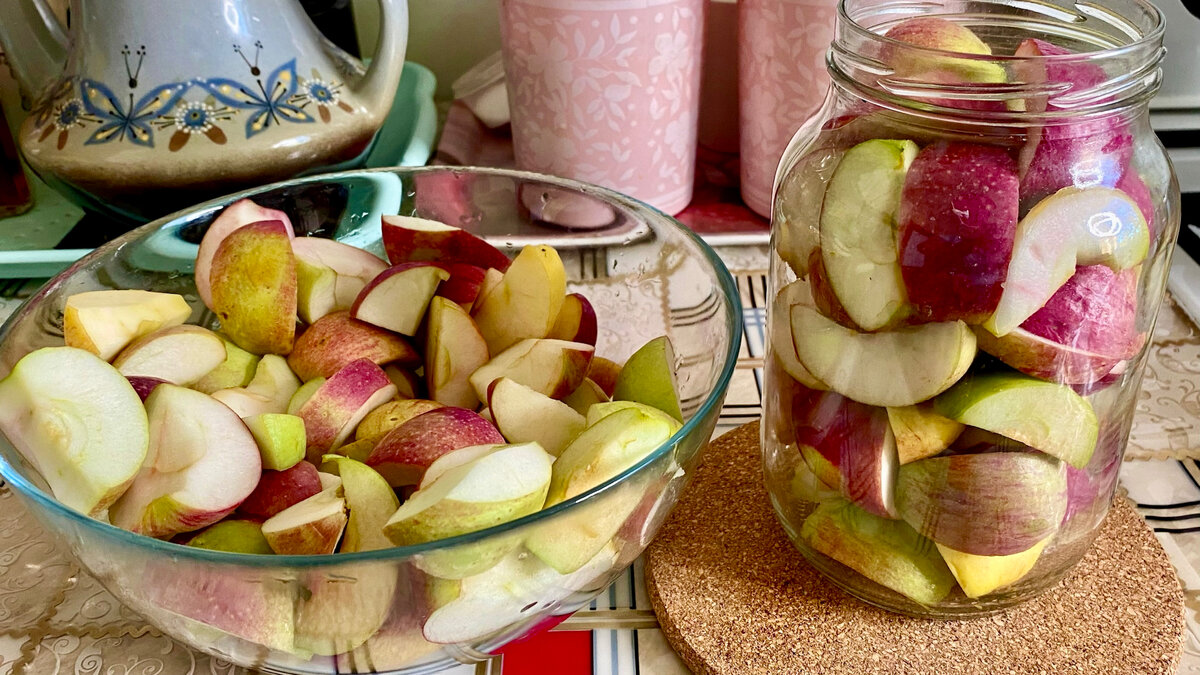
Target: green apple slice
[
  {"x": 920, "y": 432},
  {"x": 858, "y": 231},
  {"x": 979, "y": 575},
  {"x": 78, "y": 421},
  {"x": 893, "y": 368},
  {"x": 888, "y": 552},
  {"x": 1072, "y": 227},
  {"x": 649, "y": 377},
  {"x": 1043, "y": 415}
]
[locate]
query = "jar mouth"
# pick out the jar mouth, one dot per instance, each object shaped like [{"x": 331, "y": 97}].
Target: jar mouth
[{"x": 1119, "y": 45}]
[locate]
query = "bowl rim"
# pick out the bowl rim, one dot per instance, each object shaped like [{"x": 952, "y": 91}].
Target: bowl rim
[{"x": 734, "y": 326}]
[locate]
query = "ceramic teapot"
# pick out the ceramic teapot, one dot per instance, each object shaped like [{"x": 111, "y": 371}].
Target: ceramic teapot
[{"x": 145, "y": 106}]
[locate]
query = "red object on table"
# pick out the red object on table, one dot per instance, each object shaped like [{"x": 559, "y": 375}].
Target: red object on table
[{"x": 566, "y": 652}]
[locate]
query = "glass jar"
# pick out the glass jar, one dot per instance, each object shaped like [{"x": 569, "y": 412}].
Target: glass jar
[{"x": 969, "y": 251}]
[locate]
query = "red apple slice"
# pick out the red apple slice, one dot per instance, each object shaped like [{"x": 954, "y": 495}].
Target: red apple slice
[
  {"x": 403, "y": 455},
  {"x": 278, "y": 490},
  {"x": 237, "y": 215},
  {"x": 398, "y": 297},
  {"x": 551, "y": 367},
  {"x": 576, "y": 321},
  {"x": 464, "y": 283},
  {"x": 410, "y": 239},
  {"x": 311, "y": 527},
  {"x": 336, "y": 339},
  {"x": 201, "y": 465},
  {"x": 337, "y": 406}
]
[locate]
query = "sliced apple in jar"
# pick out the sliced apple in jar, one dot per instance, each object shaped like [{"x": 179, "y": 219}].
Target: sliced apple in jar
[
  {"x": 1043, "y": 415},
  {"x": 78, "y": 421},
  {"x": 858, "y": 231},
  {"x": 979, "y": 575},
  {"x": 1074, "y": 226},
  {"x": 892, "y": 368},
  {"x": 783, "y": 348}
]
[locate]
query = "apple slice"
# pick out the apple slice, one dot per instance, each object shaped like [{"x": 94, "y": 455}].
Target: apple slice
[
  {"x": 310, "y": 527},
  {"x": 347, "y": 604},
  {"x": 920, "y": 432},
  {"x": 78, "y": 422},
  {"x": 235, "y": 216},
  {"x": 336, "y": 407},
  {"x": 602, "y": 452},
  {"x": 234, "y": 536},
  {"x": 649, "y": 377},
  {"x": 523, "y": 415},
  {"x": 406, "y": 451},
  {"x": 601, "y": 410},
  {"x": 316, "y": 290},
  {"x": 957, "y": 220},
  {"x": 280, "y": 438},
  {"x": 278, "y": 490},
  {"x": 782, "y": 345},
  {"x": 462, "y": 288},
  {"x": 179, "y": 354},
  {"x": 551, "y": 367},
  {"x": 456, "y": 458},
  {"x": 798, "y": 209},
  {"x": 979, "y": 575},
  {"x": 508, "y": 483},
  {"x": 454, "y": 349},
  {"x": 254, "y": 287},
  {"x": 519, "y": 587},
  {"x": 1045, "y": 359},
  {"x": 236, "y": 370},
  {"x": 850, "y": 447},
  {"x": 888, "y": 552},
  {"x": 991, "y": 503},
  {"x": 893, "y": 368},
  {"x": 104, "y": 322},
  {"x": 398, "y": 297},
  {"x": 269, "y": 392},
  {"x": 399, "y": 644},
  {"x": 576, "y": 321},
  {"x": 1095, "y": 312},
  {"x": 336, "y": 339},
  {"x": 411, "y": 239},
  {"x": 391, "y": 415},
  {"x": 144, "y": 385},
  {"x": 408, "y": 385},
  {"x": 943, "y": 35},
  {"x": 202, "y": 463},
  {"x": 603, "y": 373},
  {"x": 352, "y": 267},
  {"x": 526, "y": 301},
  {"x": 1090, "y": 226},
  {"x": 587, "y": 394},
  {"x": 1043, "y": 415},
  {"x": 858, "y": 231}
]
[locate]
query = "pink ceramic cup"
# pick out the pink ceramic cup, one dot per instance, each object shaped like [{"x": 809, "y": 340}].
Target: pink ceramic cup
[
  {"x": 606, "y": 91},
  {"x": 781, "y": 82}
]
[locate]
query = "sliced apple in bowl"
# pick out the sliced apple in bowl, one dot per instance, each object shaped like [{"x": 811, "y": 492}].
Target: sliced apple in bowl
[{"x": 104, "y": 322}]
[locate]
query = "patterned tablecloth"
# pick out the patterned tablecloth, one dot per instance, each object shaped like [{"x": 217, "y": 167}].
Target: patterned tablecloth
[{"x": 54, "y": 618}]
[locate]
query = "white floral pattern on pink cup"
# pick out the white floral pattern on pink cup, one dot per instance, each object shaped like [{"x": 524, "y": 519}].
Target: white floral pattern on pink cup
[
  {"x": 781, "y": 82},
  {"x": 607, "y": 91}
]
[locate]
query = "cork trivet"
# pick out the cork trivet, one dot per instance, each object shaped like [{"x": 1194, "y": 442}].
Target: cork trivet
[{"x": 734, "y": 596}]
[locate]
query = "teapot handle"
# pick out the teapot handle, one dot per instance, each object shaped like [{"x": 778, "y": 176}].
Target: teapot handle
[
  {"x": 34, "y": 42},
  {"x": 378, "y": 86}
]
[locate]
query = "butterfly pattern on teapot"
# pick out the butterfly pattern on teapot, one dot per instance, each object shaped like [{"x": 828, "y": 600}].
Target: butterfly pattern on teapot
[{"x": 93, "y": 107}]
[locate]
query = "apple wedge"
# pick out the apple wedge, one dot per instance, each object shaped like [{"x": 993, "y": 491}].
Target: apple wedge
[
  {"x": 280, "y": 438},
  {"x": 979, "y": 575},
  {"x": 783, "y": 347},
  {"x": 270, "y": 391},
  {"x": 278, "y": 490},
  {"x": 236, "y": 370},
  {"x": 587, "y": 394},
  {"x": 858, "y": 231},
  {"x": 235, "y": 216},
  {"x": 397, "y": 298},
  {"x": 893, "y": 368},
  {"x": 523, "y": 415},
  {"x": 576, "y": 321},
  {"x": 411, "y": 239},
  {"x": 920, "y": 432},
  {"x": 408, "y": 385},
  {"x": 1046, "y": 359},
  {"x": 254, "y": 287},
  {"x": 648, "y": 377},
  {"x": 336, "y": 407},
  {"x": 403, "y": 455},
  {"x": 316, "y": 290},
  {"x": 551, "y": 367},
  {"x": 454, "y": 349},
  {"x": 942, "y": 35},
  {"x": 1043, "y": 415},
  {"x": 78, "y": 422},
  {"x": 991, "y": 503},
  {"x": 507, "y": 483},
  {"x": 336, "y": 339},
  {"x": 526, "y": 301},
  {"x": 232, "y": 535},
  {"x": 179, "y": 354},
  {"x": 310, "y": 527},
  {"x": 202, "y": 463},
  {"x": 888, "y": 552},
  {"x": 144, "y": 385},
  {"x": 1088, "y": 226},
  {"x": 462, "y": 288},
  {"x": 352, "y": 267},
  {"x": 391, "y": 415},
  {"x": 104, "y": 322},
  {"x": 603, "y": 373}
]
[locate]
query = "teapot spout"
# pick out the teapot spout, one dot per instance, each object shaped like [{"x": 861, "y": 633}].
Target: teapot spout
[
  {"x": 378, "y": 86},
  {"x": 34, "y": 43}
]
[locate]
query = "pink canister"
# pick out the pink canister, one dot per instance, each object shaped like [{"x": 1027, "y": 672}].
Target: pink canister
[
  {"x": 607, "y": 91},
  {"x": 781, "y": 82}
]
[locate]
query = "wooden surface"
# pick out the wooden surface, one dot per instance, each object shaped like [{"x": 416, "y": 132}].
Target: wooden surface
[{"x": 734, "y": 596}]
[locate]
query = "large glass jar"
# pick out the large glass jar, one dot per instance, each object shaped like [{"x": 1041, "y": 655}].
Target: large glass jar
[{"x": 968, "y": 254}]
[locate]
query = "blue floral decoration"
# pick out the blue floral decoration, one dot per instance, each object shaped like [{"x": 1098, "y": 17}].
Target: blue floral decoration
[
  {"x": 133, "y": 123},
  {"x": 69, "y": 114},
  {"x": 270, "y": 105},
  {"x": 320, "y": 92}
]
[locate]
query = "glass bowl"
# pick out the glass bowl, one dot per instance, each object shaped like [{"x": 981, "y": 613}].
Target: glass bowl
[{"x": 645, "y": 274}]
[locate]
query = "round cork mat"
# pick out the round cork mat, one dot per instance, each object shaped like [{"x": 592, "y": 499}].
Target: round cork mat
[{"x": 734, "y": 596}]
